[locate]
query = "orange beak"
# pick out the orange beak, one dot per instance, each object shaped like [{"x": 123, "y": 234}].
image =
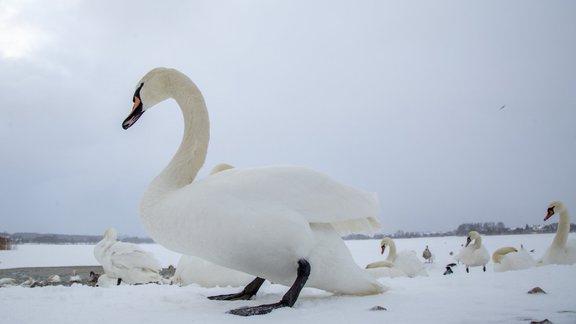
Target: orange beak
[{"x": 549, "y": 213}]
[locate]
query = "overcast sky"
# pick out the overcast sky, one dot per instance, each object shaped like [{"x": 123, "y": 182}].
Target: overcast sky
[{"x": 452, "y": 111}]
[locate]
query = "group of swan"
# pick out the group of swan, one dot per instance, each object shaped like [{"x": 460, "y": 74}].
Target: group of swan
[
  {"x": 403, "y": 264},
  {"x": 125, "y": 262},
  {"x": 560, "y": 251},
  {"x": 278, "y": 223}
]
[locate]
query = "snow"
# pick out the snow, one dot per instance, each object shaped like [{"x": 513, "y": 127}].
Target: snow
[{"x": 477, "y": 297}]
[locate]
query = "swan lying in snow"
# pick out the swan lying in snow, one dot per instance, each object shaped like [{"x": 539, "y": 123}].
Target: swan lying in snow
[
  {"x": 475, "y": 254},
  {"x": 126, "y": 262},
  {"x": 280, "y": 223},
  {"x": 403, "y": 264},
  {"x": 562, "y": 250},
  {"x": 509, "y": 258}
]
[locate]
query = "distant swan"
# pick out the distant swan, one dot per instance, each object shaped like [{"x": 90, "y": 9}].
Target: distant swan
[
  {"x": 562, "y": 250},
  {"x": 475, "y": 254},
  {"x": 126, "y": 262},
  {"x": 509, "y": 258},
  {"x": 427, "y": 255},
  {"x": 403, "y": 264},
  {"x": 281, "y": 223}
]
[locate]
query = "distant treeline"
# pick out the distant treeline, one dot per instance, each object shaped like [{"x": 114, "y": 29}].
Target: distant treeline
[
  {"x": 487, "y": 228},
  {"x": 39, "y": 238}
]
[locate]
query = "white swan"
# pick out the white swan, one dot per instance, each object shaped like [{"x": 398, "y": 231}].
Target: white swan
[
  {"x": 509, "y": 258},
  {"x": 403, "y": 264},
  {"x": 475, "y": 254},
  {"x": 126, "y": 261},
  {"x": 280, "y": 223},
  {"x": 562, "y": 250}
]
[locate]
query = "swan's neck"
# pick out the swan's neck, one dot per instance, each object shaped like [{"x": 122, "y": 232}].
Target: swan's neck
[
  {"x": 191, "y": 154},
  {"x": 477, "y": 243},
  {"x": 392, "y": 253},
  {"x": 561, "y": 236}
]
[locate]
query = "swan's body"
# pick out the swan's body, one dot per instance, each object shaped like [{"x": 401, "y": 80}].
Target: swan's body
[
  {"x": 475, "y": 254},
  {"x": 561, "y": 250},
  {"x": 509, "y": 258},
  {"x": 75, "y": 277},
  {"x": 126, "y": 261},
  {"x": 280, "y": 223},
  {"x": 403, "y": 264},
  {"x": 194, "y": 270}
]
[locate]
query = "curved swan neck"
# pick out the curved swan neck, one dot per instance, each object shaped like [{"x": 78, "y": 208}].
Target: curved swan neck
[
  {"x": 392, "y": 253},
  {"x": 477, "y": 242},
  {"x": 191, "y": 154},
  {"x": 561, "y": 236}
]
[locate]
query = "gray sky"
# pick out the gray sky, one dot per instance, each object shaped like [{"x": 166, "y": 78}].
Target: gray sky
[{"x": 402, "y": 98}]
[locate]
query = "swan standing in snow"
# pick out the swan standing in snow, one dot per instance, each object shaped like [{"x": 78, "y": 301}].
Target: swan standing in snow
[
  {"x": 126, "y": 261},
  {"x": 562, "y": 250},
  {"x": 475, "y": 254},
  {"x": 403, "y": 264},
  {"x": 509, "y": 258},
  {"x": 280, "y": 223}
]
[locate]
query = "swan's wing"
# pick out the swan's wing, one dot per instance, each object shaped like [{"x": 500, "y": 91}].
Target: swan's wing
[
  {"x": 130, "y": 256},
  {"x": 315, "y": 196}
]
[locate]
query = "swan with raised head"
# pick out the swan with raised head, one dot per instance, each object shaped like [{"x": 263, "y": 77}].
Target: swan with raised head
[
  {"x": 126, "y": 262},
  {"x": 561, "y": 250},
  {"x": 280, "y": 223},
  {"x": 509, "y": 258},
  {"x": 403, "y": 264},
  {"x": 475, "y": 254}
]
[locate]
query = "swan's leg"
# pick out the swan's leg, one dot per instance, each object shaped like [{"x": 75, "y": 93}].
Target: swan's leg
[
  {"x": 119, "y": 281},
  {"x": 484, "y": 268},
  {"x": 289, "y": 298},
  {"x": 248, "y": 292},
  {"x": 467, "y": 270}
]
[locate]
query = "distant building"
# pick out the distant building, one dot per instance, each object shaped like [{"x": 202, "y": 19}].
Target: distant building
[{"x": 5, "y": 243}]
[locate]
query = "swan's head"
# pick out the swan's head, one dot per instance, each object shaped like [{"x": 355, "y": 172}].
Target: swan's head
[
  {"x": 554, "y": 207},
  {"x": 473, "y": 235},
  {"x": 385, "y": 242},
  {"x": 150, "y": 90},
  {"x": 110, "y": 234}
]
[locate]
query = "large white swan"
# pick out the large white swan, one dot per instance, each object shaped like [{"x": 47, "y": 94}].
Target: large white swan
[
  {"x": 126, "y": 261},
  {"x": 475, "y": 254},
  {"x": 561, "y": 250},
  {"x": 509, "y": 258},
  {"x": 403, "y": 264},
  {"x": 281, "y": 223}
]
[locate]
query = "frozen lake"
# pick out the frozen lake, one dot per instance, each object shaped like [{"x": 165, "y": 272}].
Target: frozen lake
[{"x": 476, "y": 297}]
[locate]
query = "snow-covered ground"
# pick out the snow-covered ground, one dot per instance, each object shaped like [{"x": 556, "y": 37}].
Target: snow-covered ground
[{"x": 476, "y": 297}]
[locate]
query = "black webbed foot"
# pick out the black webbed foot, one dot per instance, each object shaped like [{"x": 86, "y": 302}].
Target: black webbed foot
[
  {"x": 248, "y": 292},
  {"x": 257, "y": 310}
]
